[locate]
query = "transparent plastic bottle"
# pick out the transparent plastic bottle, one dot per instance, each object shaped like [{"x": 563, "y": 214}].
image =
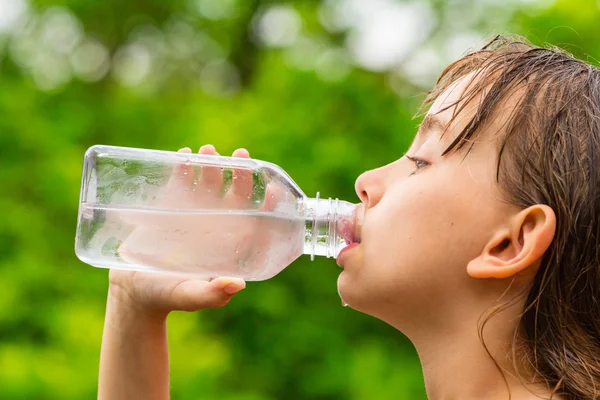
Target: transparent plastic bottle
[{"x": 151, "y": 210}]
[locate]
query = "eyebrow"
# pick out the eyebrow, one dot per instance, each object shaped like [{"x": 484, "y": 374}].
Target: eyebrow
[{"x": 430, "y": 122}]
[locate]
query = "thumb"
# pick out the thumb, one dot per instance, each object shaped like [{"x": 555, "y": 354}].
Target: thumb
[
  {"x": 227, "y": 284},
  {"x": 196, "y": 294}
]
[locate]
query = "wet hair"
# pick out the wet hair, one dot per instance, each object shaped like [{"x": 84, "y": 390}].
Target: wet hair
[{"x": 548, "y": 153}]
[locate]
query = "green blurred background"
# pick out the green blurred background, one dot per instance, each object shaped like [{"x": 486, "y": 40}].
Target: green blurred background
[{"x": 324, "y": 89}]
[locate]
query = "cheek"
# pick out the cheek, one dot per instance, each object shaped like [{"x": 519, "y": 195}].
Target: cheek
[{"x": 426, "y": 229}]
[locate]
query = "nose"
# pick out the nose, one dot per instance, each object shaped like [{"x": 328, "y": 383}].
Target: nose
[{"x": 369, "y": 187}]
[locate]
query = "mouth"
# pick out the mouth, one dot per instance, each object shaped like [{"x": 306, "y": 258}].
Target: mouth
[{"x": 349, "y": 230}]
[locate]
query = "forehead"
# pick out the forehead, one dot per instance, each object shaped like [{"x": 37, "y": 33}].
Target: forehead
[
  {"x": 440, "y": 120},
  {"x": 456, "y": 106},
  {"x": 453, "y": 93},
  {"x": 445, "y": 106}
]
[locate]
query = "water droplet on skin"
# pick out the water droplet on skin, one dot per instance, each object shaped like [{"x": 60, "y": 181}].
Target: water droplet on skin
[
  {"x": 195, "y": 181},
  {"x": 234, "y": 177},
  {"x": 185, "y": 171},
  {"x": 344, "y": 304}
]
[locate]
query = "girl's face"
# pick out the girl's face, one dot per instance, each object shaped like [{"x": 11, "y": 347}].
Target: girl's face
[{"x": 424, "y": 218}]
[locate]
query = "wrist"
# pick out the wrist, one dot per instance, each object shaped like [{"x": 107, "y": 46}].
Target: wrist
[{"x": 121, "y": 308}]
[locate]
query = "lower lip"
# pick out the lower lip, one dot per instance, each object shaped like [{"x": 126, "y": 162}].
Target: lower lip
[{"x": 345, "y": 250}]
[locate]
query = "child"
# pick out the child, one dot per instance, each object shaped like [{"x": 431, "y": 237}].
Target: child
[{"x": 481, "y": 244}]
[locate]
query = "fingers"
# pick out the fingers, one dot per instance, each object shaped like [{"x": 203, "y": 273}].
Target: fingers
[
  {"x": 209, "y": 182},
  {"x": 241, "y": 180},
  {"x": 211, "y": 178},
  {"x": 196, "y": 294},
  {"x": 273, "y": 195},
  {"x": 183, "y": 174}
]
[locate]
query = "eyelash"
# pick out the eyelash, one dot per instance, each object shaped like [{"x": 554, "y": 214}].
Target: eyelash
[{"x": 419, "y": 164}]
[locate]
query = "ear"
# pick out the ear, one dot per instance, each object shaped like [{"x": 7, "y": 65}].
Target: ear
[{"x": 517, "y": 246}]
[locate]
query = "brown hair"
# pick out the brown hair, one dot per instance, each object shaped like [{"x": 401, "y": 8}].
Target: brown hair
[{"x": 549, "y": 153}]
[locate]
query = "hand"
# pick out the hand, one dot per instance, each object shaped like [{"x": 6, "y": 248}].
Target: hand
[
  {"x": 191, "y": 242},
  {"x": 200, "y": 228},
  {"x": 158, "y": 294}
]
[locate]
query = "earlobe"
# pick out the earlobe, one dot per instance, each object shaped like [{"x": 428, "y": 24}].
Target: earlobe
[{"x": 517, "y": 246}]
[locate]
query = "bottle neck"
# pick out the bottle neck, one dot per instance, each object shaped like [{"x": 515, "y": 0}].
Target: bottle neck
[{"x": 328, "y": 226}]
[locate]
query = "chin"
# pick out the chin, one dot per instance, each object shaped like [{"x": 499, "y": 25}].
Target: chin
[
  {"x": 346, "y": 288},
  {"x": 378, "y": 298},
  {"x": 352, "y": 292}
]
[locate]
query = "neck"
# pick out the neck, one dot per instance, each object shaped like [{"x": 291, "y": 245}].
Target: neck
[{"x": 456, "y": 364}]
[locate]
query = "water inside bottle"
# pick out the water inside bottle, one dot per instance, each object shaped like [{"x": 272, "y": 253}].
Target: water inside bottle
[{"x": 251, "y": 244}]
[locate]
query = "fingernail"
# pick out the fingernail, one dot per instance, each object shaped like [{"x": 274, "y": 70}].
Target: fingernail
[{"x": 232, "y": 288}]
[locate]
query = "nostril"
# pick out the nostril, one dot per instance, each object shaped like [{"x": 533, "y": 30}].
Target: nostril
[
  {"x": 364, "y": 196},
  {"x": 362, "y": 184}
]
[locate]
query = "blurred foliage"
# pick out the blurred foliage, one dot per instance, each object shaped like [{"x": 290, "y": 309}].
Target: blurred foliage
[{"x": 287, "y": 80}]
